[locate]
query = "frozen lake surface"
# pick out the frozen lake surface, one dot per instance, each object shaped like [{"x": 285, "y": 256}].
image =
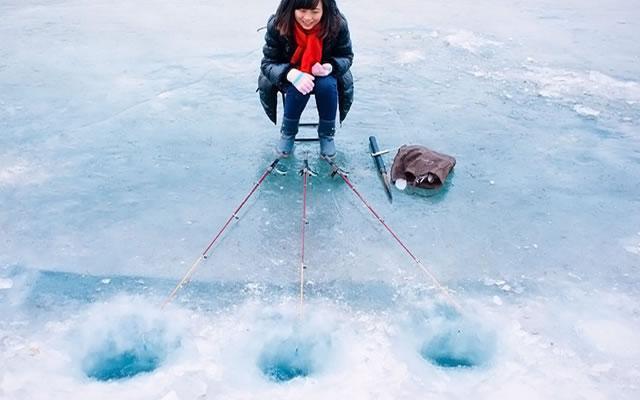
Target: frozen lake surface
[{"x": 129, "y": 131}]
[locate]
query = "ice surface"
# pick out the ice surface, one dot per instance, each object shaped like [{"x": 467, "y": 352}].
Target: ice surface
[{"x": 131, "y": 130}]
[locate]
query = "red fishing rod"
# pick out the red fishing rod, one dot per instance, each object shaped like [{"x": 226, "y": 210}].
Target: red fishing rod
[
  {"x": 305, "y": 172},
  {"x": 336, "y": 170},
  {"x": 203, "y": 255}
]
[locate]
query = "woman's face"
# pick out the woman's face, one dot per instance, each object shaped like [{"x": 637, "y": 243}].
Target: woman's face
[{"x": 309, "y": 18}]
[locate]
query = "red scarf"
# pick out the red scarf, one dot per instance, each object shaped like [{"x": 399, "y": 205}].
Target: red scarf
[{"x": 309, "y": 50}]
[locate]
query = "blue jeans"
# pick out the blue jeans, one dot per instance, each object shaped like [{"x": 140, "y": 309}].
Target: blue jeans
[{"x": 326, "y": 92}]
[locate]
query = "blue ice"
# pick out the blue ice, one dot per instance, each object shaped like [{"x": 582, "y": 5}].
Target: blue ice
[{"x": 131, "y": 130}]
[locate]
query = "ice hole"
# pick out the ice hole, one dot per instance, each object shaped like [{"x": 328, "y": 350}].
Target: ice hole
[
  {"x": 459, "y": 348},
  {"x": 110, "y": 364},
  {"x": 285, "y": 359},
  {"x": 126, "y": 350}
]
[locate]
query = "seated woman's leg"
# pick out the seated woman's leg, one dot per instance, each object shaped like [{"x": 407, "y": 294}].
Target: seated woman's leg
[
  {"x": 294, "y": 104},
  {"x": 326, "y": 92}
]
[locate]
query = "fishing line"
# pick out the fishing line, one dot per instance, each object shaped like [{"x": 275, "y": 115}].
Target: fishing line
[
  {"x": 335, "y": 170},
  {"x": 305, "y": 172},
  {"x": 203, "y": 256}
]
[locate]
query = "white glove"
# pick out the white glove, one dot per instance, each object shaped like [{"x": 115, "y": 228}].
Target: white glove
[
  {"x": 321, "y": 69},
  {"x": 302, "y": 81}
]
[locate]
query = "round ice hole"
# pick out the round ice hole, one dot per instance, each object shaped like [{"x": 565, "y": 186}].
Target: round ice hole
[
  {"x": 109, "y": 363},
  {"x": 286, "y": 359},
  {"x": 126, "y": 349},
  {"x": 458, "y": 348}
]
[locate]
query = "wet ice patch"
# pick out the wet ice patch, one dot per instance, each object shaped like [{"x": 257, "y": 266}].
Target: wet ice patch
[
  {"x": 410, "y": 57},
  {"x": 610, "y": 336},
  {"x": 590, "y": 94},
  {"x": 585, "y": 111},
  {"x": 561, "y": 83},
  {"x": 469, "y": 41},
  {"x": 20, "y": 172},
  {"x": 123, "y": 339},
  {"x": 6, "y": 283},
  {"x": 632, "y": 244}
]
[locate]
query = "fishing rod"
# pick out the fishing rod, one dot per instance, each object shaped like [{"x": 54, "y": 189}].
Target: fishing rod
[
  {"x": 305, "y": 172},
  {"x": 336, "y": 170},
  {"x": 203, "y": 256}
]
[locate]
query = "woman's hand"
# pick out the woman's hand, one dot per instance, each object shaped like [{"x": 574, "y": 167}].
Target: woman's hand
[
  {"x": 321, "y": 69},
  {"x": 302, "y": 81}
]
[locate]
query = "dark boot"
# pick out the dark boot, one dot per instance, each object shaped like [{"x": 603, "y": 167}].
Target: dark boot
[
  {"x": 288, "y": 132},
  {"x": 326, "y": 131}
]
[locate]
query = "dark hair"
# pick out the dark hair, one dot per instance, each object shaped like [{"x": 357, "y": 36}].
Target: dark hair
[{"x": 329, "y": 23}]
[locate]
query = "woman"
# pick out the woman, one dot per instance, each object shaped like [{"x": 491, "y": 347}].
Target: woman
[{"x": 307, "y": 50}]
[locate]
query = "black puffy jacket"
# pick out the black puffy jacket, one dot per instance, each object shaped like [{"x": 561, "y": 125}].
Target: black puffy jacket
[{"x": 277, "y": 52}]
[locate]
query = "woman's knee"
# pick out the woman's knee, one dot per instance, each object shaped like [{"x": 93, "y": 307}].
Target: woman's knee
[
  {"x": 326, "y": 85},
  {"x": 293, "y": 93}
]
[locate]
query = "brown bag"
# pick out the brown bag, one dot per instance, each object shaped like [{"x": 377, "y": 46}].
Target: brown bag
[{"x": 421, "y": 167}]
